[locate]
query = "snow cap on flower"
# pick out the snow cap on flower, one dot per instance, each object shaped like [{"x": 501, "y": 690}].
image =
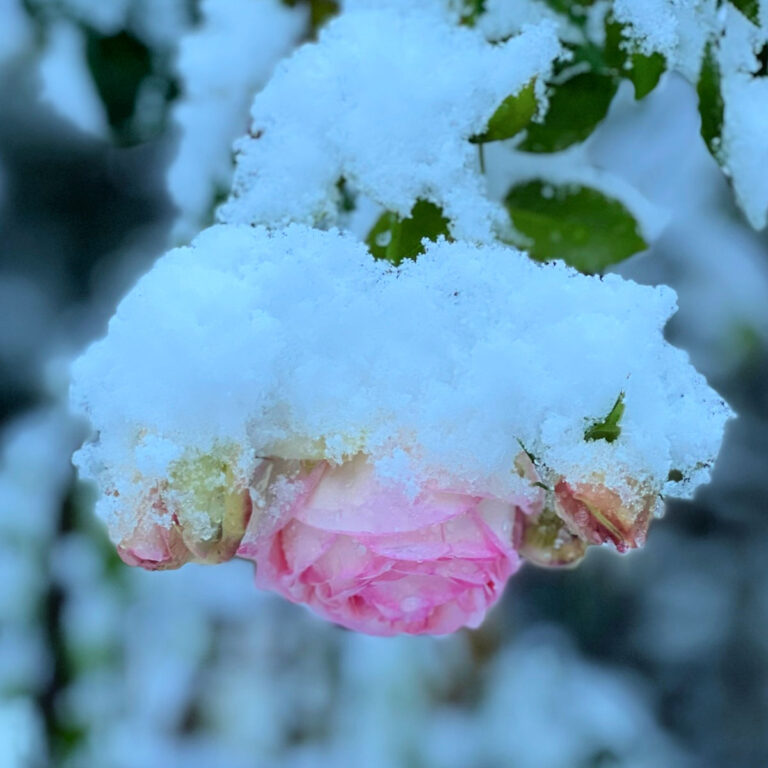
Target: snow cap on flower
[
  {"x": 387, "y": 99},
  {"x": 295, "y": 344}
]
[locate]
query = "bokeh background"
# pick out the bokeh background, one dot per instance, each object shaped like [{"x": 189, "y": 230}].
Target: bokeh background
[{"x": 116, "y": 120}]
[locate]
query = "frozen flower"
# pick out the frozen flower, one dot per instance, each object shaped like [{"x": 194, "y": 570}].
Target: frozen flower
[
  {"x": 361, "y": 552},
  {"x": 197, "y": 513}
]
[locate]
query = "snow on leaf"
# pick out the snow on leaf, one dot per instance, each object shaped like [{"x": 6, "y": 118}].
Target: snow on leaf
[
  {"x": 643, "y": 70},
  {"x": 576, "y": 107},
  {"x": 387, "y": 98},
  {"x": 514, "y": 114}
]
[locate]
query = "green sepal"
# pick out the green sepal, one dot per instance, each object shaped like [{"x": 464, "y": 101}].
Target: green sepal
[{"x": 608, "y": 429}]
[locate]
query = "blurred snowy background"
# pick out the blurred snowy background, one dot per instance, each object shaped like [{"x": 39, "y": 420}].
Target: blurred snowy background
[{"x": 117, "y": 122}]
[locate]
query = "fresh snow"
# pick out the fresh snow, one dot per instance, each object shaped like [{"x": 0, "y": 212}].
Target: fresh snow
[
  {"x": 387, "y": 100},
  {"x": 221, "y": 65},
  {"x": 296, "y": 344}
]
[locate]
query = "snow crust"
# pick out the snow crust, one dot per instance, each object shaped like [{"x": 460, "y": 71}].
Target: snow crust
[
  {"x": 387, "y": 100},
  {"x": 297, "y": 344}
]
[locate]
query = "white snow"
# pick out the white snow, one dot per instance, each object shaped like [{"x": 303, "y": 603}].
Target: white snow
[
  {"x": 502, "y": 18},
  {"x": 66, "y": 83},
  {"x": 680, "y": 29},
  {"x": 297, "y": 344},
  {"x": 221, "y": 65},
  {"x": 387, "y": 99},
  {"x": 745, "y": 124}
]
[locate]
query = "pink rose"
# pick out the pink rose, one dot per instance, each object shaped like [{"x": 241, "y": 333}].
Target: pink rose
[{"x": 360, "y": 552}]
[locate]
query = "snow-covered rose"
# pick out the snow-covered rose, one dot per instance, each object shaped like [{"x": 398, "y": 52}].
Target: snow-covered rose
[
  {"x": 242, "y": 374},
  {"x": 198, "y": 513}
]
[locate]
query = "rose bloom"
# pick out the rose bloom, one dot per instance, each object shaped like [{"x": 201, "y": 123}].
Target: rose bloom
[
  {"x": 599, "y": 515},
  {"x": 361, "y": 552},
  {"x": 162, "y": 538}
]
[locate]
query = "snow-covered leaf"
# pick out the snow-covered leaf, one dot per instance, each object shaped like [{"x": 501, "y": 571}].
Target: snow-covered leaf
[
  {"x": 643, "y": 70},
  {"x": 511, "y": 117},
  {"x": 388, "y": 98},
  {"x": 576, "y": 107}
]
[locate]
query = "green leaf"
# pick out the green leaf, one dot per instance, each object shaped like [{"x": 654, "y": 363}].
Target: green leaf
[
  {"x": 645, "y": 72},
  {"x": 576, "y": 107},
  {"x": 615, "y": 45},
  {"x": 762, "y": 58},
  {"x": 750, "y": 8},
  {"x": 322, "y": 11},
  {"x": 711, "y": 106},
  {"x": 608, "y": 429},
  {"x": 511, "y": 117},
  {"x": 395, "y": 239},
  {"x": 473, "y": 9},
  {"x": 119, "y": 65},
  {"x": 583, "y": 227}
]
